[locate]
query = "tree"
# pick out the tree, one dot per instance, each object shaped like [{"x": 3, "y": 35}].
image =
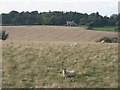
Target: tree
[
  {"x": 90, "y": 25},
  {"x": 83, "y": 21},
  {"x": 118, "y": 22}
]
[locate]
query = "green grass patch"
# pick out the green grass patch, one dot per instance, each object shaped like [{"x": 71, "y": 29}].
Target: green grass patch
[{"x": 112, "y": 29}]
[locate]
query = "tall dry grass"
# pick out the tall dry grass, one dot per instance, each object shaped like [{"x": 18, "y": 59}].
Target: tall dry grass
[{"x": 40, "y": 65}]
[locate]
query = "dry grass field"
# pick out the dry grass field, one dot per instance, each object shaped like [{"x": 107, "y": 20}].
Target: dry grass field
[
  {"x": 34, "y": 56},
  {"x": 34, "y": 64}
]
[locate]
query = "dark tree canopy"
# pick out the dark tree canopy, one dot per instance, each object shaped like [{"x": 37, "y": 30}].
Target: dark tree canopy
[
  {"x": 118, "y": 22},
  {"x": 57, "y": 18}
]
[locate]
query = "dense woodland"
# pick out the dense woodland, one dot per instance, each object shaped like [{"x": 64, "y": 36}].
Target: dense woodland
[{"x": 57, "y": 18}]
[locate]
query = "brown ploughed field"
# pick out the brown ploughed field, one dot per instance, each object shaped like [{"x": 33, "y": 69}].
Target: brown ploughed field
[{"x": 55, "y": 33}]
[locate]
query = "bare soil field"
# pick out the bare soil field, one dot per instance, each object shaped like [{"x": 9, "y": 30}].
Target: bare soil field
[{"x": 55, "y": 33}]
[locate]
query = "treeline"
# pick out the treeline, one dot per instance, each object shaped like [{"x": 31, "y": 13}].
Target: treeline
[
  {"x": 57, "y": 18},
  {"x": 118, "y": 22}
]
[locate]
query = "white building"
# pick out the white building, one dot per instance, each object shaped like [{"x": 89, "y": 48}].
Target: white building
[{"x": 71, "y": 23}]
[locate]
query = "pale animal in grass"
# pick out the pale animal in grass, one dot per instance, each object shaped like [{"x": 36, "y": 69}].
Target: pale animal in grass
[
  {"x": 103, "y": 41},
  {"x": 67, "y": 73}
]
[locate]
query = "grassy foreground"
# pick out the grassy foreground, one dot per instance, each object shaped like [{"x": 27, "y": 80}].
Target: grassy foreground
[{"x": 40, "y": 65}]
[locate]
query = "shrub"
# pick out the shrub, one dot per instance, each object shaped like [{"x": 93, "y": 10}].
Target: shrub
[
  {"x": 89, "y": 25},
  {"x": 3, "y": 35},
  {"x": 108, "y": 40}
]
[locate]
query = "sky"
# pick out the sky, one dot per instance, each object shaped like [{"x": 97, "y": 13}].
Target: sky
[{"x": 104, "y": 7}]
